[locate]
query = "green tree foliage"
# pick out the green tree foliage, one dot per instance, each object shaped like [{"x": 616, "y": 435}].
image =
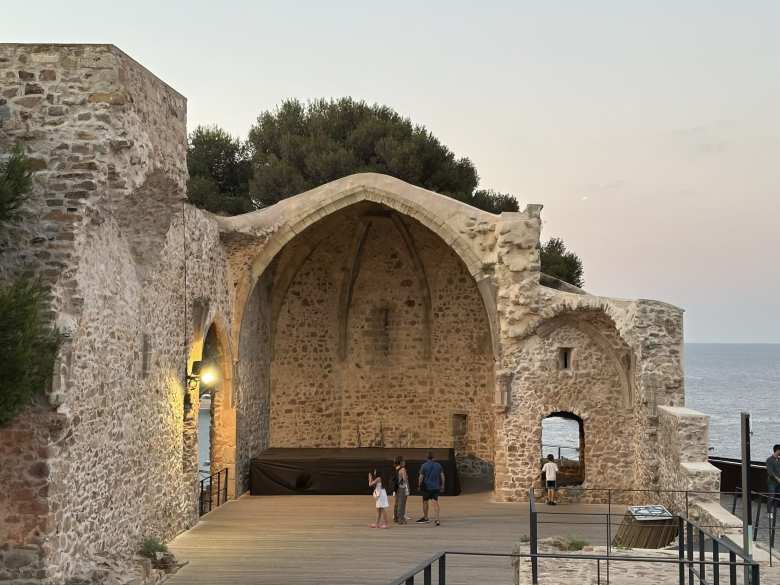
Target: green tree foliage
[
  {"x": 489, "y": 200},
  {"x": 219, "y": 171},
  {"x": 28, "y": 346},
  {"x": 561, "y": 263},
  {"x": 298, "y": 147},
  {"x": 27, "y": 343},
  {"x": 15, "y": 184}
]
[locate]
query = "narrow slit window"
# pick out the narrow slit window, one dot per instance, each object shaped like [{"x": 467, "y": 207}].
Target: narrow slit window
[
  {"x": 146, "y": 354},
  {"x": 564, "y": 358}
]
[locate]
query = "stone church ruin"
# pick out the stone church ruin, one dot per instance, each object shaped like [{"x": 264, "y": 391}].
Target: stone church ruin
[{"x": 364, "y": 313}]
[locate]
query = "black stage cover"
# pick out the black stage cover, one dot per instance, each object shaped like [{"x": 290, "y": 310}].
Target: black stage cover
[{"x": 280, "y": 471}]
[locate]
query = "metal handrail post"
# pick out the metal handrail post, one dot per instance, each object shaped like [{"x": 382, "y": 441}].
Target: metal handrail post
[
  {"x": 702, "y": 565},
  {"x": 716, "y": 559},
  {"x": 609, "y": 520},
  {"x": 534, "y": 537},
  {"x": 219, "y": 488},
  {"x": 755, "y": 575},
  {"x": 758, "y": 519},
  {"x": 772, "y": 524},
  {"x": 689, "y": 538},
  {"x": 732, "y": 568},
  {"x": 681, "y": 548}
]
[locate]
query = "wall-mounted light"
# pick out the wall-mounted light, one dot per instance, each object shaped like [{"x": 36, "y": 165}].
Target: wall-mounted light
[{"x": 202, "y": 378}]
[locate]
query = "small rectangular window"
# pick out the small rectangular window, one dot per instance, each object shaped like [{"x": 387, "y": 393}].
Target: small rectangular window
[{"x": 564, "y": 358}]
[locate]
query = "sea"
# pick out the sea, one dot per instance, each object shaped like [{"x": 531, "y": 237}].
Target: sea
[{"x": 721, "y": 380}]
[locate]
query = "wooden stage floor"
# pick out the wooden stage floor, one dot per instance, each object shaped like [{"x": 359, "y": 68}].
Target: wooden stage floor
[{"x": 318, "y": 540}]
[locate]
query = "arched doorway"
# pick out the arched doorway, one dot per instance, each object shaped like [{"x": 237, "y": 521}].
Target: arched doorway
[
  {"x": 368, "y": 330},
  {"x": 216, "y": 414},
  {"x": 563, "y": 437}
]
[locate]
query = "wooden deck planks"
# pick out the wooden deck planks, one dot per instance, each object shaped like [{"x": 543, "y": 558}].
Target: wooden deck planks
[{"x": 322, "y": 540}]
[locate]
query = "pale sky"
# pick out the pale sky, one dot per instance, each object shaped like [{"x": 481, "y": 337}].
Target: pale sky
[{"x": 650, "y": 131}]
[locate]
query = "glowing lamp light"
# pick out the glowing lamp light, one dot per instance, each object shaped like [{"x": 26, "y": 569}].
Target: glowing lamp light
[
  {"x": 203, "y": 375},
  {"x": 208, "y": 376},
  {"x": 202, "y": 378}
]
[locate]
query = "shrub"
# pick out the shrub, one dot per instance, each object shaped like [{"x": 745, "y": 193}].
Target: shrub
[
  {"x": 151, "y": 546},
  {"x": 574, "y": 543},
  {"x": 27, "y": 343},
  {"x": 15, "y": 183}
]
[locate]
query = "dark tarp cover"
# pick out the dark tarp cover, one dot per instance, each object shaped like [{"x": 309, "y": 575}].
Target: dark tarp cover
[{"x": 280, "y": 471}]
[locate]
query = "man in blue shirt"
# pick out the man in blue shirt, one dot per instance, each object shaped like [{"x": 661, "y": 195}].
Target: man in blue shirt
[{"x": 431, "y": 483}]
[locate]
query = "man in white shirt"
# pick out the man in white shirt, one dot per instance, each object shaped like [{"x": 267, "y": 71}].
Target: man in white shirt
[{"x": 550, "y": 471}]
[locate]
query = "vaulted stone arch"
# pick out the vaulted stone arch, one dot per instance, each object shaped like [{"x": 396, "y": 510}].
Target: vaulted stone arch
[
  {"x": 257, "y": 238},
  {"x": 317, "y": 348}
]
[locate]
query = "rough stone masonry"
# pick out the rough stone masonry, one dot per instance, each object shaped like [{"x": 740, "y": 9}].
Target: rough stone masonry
[{"x": 366, "y": 312}]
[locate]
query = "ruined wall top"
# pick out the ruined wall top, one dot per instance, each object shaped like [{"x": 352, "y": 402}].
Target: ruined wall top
[
  {"x": 96, "y": 99},
  {"x": 471, "y": 232},
  {"x": 105, "y": 138}
]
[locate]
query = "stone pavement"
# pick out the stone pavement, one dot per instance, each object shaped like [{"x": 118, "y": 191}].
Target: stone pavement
[{"x": 589, "y": 572}]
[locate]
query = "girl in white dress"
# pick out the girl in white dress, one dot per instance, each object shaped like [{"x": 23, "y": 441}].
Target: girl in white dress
[{"x": 380, "y": 496}]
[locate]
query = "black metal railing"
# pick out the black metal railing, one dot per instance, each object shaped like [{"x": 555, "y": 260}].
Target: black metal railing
[
  {"x": 561, "y": 450},
  {"x": 702, "y": 558},
  {"x": 765, "y": 533},
  {"x": 435, "y": 567},
  {"x": 213, "y": 491},
  {"x": 689, "y": 534},
  {"x": 772, "y": 501},
  {"x": 426, "y": 568}
]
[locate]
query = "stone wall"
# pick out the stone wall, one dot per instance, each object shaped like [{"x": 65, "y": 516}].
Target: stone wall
[
  {"x": 253, "y": 378},
  {"x": 24, "y": 477},
  {"x": 412, "y": 327},
  {"x": 641, "y": 339},
  {"x": 683, "y": 439},
  {"x": 591, "y": 388},
  {"x": 104, "y": 228}
]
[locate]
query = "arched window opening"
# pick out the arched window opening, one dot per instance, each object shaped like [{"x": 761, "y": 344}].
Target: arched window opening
[
  {"x": 563, "y": 437},
  {"x": 210, "y": 383}
]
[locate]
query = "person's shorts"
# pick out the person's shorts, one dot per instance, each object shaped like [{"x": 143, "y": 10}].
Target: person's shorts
[
  {"x": 430, "y": 495},
  {"x": 551, "y": 485}
]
